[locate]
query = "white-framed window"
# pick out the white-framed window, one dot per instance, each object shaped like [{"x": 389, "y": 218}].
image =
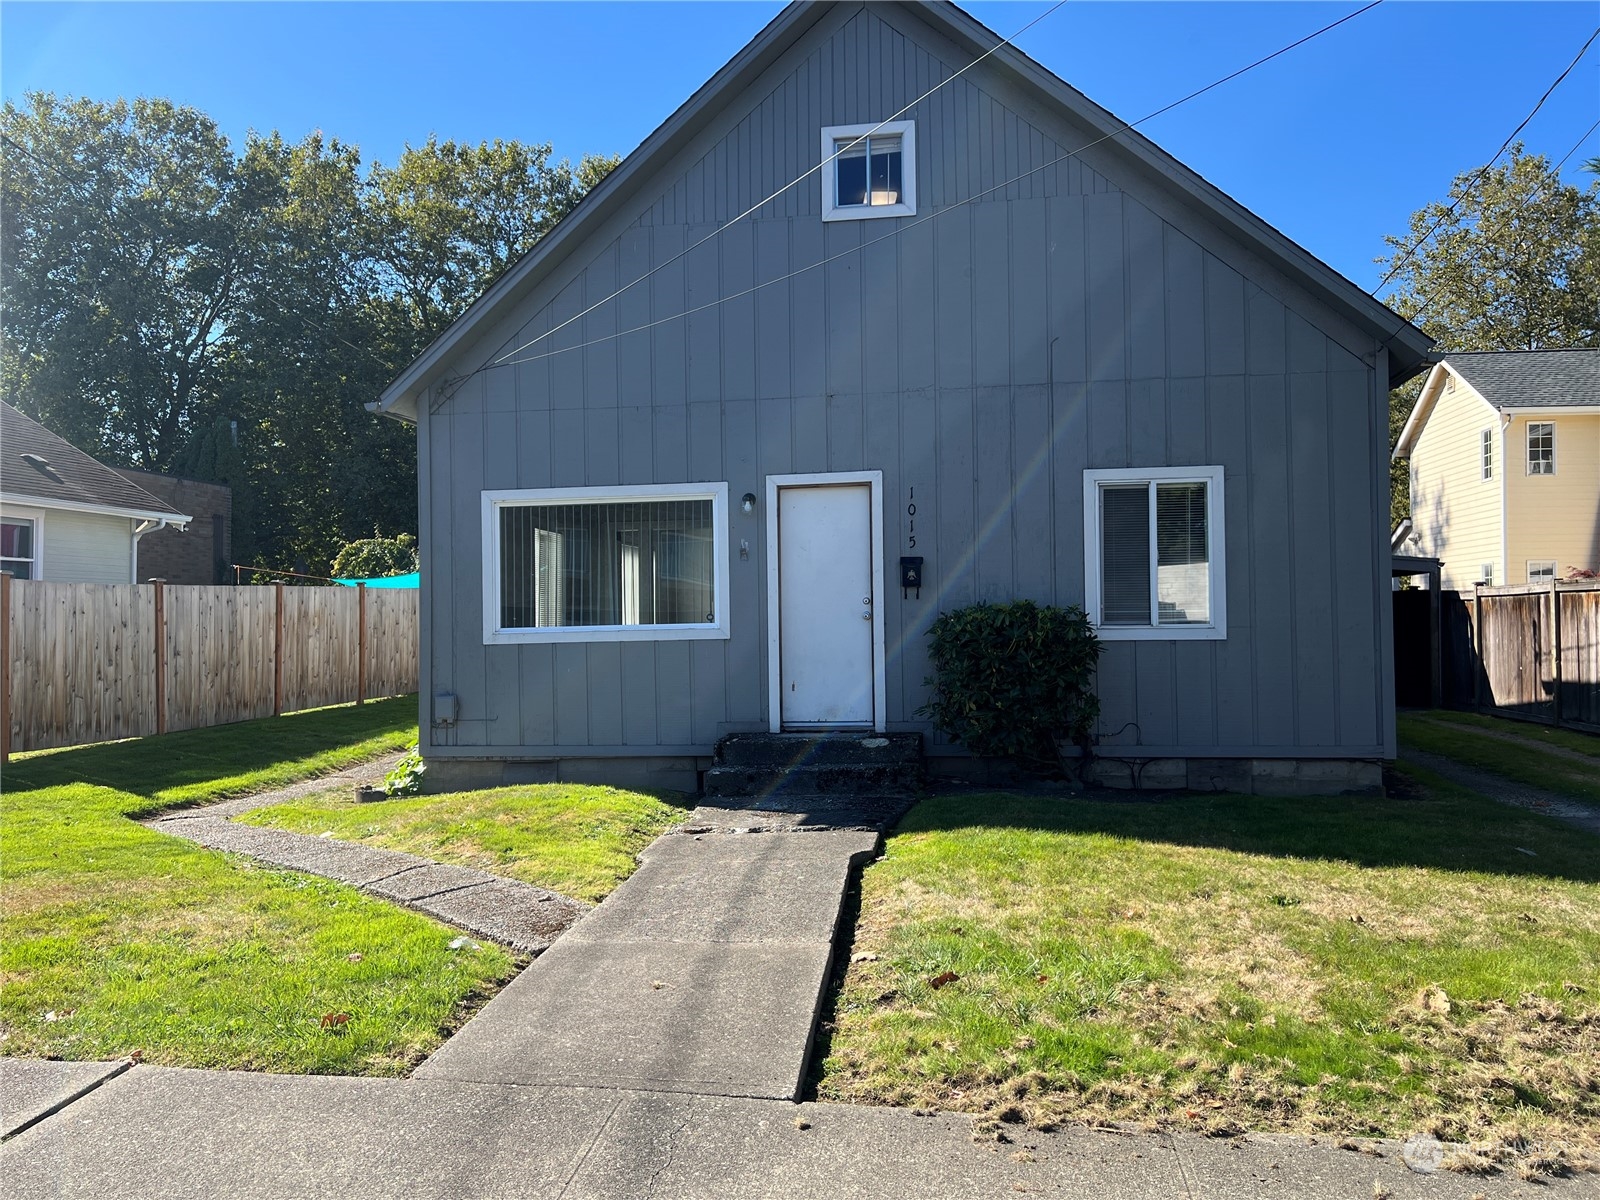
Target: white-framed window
[
  {"x": 869, "y": 171},
  {"x": 1153, "y": 553},
  {"x": 1545, "y": 569},
  {"x": 1486, "y": 573},
  {"x": 21, "y": 538},
  {"x": 1541, "y": 447},
  {"x": 606, "y": 564},
  {"x": 1487, "y": 455}
]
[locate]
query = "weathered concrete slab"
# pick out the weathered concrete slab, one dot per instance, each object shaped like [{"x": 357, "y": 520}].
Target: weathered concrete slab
[
  {"x": 750, "y": 889},
  {"x": 31, "y": 1088},
  {"x": 790, "y": 812},
  {"x": 173, "y": 1133},
  {"x": 347, "y": 862},
  {"x": 158, "y": 1133},
  {"x": 417, "y": 883},
  {"x": 720, "y": 1019},
  {"x": 514, "y": 914}
]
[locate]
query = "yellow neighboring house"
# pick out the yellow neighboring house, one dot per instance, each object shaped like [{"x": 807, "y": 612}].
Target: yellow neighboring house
[{"x": 1505, "y": 466}]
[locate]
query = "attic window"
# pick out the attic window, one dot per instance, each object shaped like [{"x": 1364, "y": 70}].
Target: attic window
[{"x": 869, "y": 171}]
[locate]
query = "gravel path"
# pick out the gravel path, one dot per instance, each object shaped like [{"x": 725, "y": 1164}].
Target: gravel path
[
  {"x": 507, "y": 911},
  {"x": 1506, "y": 791},
  {"x": 1591, "y": 761}
]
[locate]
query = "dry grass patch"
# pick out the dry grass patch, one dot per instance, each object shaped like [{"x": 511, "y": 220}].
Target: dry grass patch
[{"x": 1351, "y": 966}]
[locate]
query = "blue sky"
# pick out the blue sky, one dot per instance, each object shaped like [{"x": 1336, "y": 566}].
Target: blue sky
[{"x": 1335, "y": 144}]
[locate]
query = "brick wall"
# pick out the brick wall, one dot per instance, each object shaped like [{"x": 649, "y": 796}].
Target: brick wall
[{"x": 202, "y": 553}]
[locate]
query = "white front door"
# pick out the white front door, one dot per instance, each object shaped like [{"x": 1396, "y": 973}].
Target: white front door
[{"x": 826, "y": 606}]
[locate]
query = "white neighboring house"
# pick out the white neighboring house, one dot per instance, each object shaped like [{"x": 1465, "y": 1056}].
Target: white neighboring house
[{"x": 64, "y": 516}]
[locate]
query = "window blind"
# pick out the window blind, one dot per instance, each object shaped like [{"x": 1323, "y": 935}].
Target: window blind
[
  {"x": 1125, "y": 554},
  {"x": 607, "y": 563},
  {"x": 1183, "y": 567}
]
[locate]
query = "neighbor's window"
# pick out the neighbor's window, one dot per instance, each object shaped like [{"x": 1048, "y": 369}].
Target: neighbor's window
[
  {"x": 19, "y": 554},
  {"x": 869, "y": 171},
  {"x": 1541, "y": 447},
  {"x": 1153, "y": 552},
  {"x": 1541, "y": 570},
  {"x": 1486, "y": 573},
  {"x": 605, "y": 564},
  {"x": 1488, "y": 454}
]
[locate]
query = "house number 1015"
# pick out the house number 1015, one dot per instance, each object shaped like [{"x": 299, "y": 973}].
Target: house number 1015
[{"x": 911, "y": 519}]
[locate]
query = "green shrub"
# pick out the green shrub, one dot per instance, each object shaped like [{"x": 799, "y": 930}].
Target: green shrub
[
  {"x": 405, "y": 777},
  {"x": 376, "y": 557},
  {"x": 1014, "y": 680}
]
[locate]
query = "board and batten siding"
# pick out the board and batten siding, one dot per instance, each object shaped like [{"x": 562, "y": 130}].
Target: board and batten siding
[{"x": 982, "y": 360}]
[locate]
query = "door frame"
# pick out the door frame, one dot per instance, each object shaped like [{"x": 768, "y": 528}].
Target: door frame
[{"x": 874, "y": 481}]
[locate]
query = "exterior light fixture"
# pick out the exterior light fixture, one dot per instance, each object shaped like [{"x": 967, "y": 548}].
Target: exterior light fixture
[{"x": 747, "y": 502}]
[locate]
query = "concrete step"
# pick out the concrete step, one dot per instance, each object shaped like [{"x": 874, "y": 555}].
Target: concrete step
[
  {"x": 838, "y": 779},
  {"x": 789, "y": 750}
]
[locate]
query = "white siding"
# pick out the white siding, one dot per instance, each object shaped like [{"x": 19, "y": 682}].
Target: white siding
[{"x": 87, "y": 547}]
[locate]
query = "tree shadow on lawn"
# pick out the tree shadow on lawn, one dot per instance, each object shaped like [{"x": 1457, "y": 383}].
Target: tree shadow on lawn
[
  {"x": 155, "y": 767},
  {"x": 1423, "y": 822}
]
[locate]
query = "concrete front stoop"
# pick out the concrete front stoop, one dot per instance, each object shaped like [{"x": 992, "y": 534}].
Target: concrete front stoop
[{"x": 816, "y": 764}]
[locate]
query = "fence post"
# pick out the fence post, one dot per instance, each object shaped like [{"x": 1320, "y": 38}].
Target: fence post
[
  {"x": 5, "y": 667},
  {"x": 161, "y": 655},
  {"x": 1555, "y": 651},
  {"x": 277, "y": 649},
  {"x": 361, "y": 643},
  {"x": 1479, "y": 675}
]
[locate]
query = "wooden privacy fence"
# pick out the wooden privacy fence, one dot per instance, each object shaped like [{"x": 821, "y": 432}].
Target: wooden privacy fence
[
  {"x": 88, "y": 662},
  {"x": 1538, "y": 652}
]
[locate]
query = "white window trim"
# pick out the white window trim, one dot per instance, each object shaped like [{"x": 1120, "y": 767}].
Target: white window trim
[
  {"x": 1486, "y": 455},
  {"x": 1527, "y": 455},
  {"x": 1216, "y": 512},
  {"x": 832, "y": 210},
  {"x": 494, "y": 635},
  {"x": 1541, "y": 562},
  {"x": 36, "y": 515}
]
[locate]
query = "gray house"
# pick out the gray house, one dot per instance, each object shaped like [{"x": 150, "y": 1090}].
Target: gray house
[{"x": 712, "y": 457}]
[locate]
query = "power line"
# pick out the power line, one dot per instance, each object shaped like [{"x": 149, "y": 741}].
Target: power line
[
  {"x": 510, "y": 362},
  {"x": 1575, "y": 146},
  {"x": 768, "y": 200},
  {"x": 1411, "y": 251},
  {"x": 1427, "y": 304}
]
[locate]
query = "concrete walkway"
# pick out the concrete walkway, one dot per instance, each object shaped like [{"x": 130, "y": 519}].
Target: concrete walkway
[
  {"x": 515, "y": 914},
  {"x": 156, "y": 1132}
]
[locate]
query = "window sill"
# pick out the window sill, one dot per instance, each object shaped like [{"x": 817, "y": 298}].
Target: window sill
[
  {"x": 866, "y": 212},
  {"x": 606, "y": 633},
  {"x": 1160, "y": 633}
]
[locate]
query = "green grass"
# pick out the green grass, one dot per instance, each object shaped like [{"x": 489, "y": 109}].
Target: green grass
[
  {"x": 577, "y": 840},
  {"x": 116, "y": 938},
  {"x": 1449, "y": 735},
  {"x": 1546, "y": 735},
  {"x": 1348, "y": 965}
]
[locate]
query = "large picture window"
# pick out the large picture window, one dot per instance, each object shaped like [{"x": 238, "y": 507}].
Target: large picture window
[
  {"x": 1153, "y": 553},
  {"x": 605, "y": 564}
]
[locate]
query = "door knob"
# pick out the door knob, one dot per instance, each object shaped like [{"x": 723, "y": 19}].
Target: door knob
[{"x": 867, "y": 615}]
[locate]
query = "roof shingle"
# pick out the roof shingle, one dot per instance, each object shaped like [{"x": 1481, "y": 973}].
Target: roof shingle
[
  {"x": 36, "y": 464},
  {"x": 1531, "y": 378}
]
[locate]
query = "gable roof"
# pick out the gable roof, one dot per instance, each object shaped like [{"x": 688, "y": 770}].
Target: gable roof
[
  {"x": 1510, "y": 379},
  {"x": 1532, "y": 378},
  {"x": 1408, "y": 346},
  {"x": 37, "y": 466}
]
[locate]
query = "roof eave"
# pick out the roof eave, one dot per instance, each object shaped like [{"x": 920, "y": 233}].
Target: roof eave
[{"x": 23, "y": 500}]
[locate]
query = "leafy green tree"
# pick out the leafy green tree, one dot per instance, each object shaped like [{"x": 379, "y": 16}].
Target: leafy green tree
[
  {"x": 1513, "y": 263},
  {"x": 172, "y": 305},
  {"x": 125, "y": 231}
]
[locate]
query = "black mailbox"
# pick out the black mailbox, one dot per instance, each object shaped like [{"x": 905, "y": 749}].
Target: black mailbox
[{"x": 911, "y": 576}]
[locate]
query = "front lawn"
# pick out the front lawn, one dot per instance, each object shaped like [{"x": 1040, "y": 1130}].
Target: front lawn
[
  {"x": 577, "y": 840},
  {"x": 1353, "y": 965},
  {"x": 115, "y": 938}
]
